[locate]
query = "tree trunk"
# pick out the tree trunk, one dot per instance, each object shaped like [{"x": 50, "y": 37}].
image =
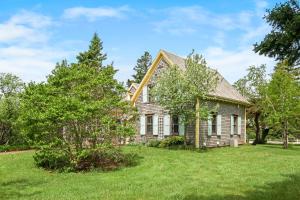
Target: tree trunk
[
  {"x": 265, "y": 134},
  {"x": 257, "y": 129},
  {"x": 285, "y": 136},
  {"x": 184, "y": 135}
]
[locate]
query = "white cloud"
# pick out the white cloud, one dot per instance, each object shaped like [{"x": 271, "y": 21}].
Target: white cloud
[
  {"x": 191, "y": 19},
  {"x": 24, "y": 47},
  {"x": 30, "y": 63},
  {"x": 25, "y": 27},
  {"x": 233, "y": 64},
  {"x": 232, "y": 36},
  {"x": 93, "y": 14}
]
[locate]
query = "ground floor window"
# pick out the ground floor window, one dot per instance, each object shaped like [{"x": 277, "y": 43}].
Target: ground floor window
[
  {"x": 235, "y": 124},
  {"x": 175, "y": 125},
  {"x": 214, "y": 124},
  {"x": 149, "y": 124}
]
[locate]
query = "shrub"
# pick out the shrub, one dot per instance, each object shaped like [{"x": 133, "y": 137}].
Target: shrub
[
  {"x": 59, "y": 157},
  {"x": 53, "y": 158},
  {"x": 104, "y": 158},
  {"x": 171, "y": 141},
  {"x": 153, "y": 143}
]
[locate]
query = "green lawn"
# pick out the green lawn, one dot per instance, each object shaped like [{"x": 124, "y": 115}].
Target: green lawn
[{"x": 248, "y": 172}]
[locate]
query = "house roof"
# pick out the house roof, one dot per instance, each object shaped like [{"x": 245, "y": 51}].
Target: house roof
[
  {"x": 133, "y": 85},
  {"x": 224, "y": 90},
  {"x": 136, "y": 85}
]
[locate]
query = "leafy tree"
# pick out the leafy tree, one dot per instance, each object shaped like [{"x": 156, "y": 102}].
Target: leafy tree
[
  {"x": 10, "y": 87},
  {"x": 180, "y": 91},
  {"x": 251, "y": 86},
  {"x": 281, "y": 101},
  {"x": 141, "y": 68},
  {"x": 283, "y": 42}
]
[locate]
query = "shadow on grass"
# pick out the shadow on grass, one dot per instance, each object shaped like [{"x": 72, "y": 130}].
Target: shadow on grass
[
  {"x": 16, "y": 189},
  {"x": 289, "y": 189}
]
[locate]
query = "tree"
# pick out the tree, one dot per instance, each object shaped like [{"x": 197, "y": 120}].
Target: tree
[
  {"x": 94, "y": 56},
  {"x": 282, "y": 101},
  {"x": 283, "y": 42},
  {"x": 251, "y": 86},
  {"x": 80, "y": 103},
  {"x": 180, "y": 91},
  {"x": 10, "y": 87},
  {"x": 141, "y": 68}
]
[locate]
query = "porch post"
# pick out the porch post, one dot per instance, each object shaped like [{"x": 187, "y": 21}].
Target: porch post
[{"x": 197, "y": 125}]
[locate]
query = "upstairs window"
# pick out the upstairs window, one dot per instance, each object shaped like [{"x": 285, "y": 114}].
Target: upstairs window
[{"x": 150, "y": 96}]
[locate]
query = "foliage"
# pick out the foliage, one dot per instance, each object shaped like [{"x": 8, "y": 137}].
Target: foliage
[
  {"x": 94, "y": 57},
  {"x": 10, "y": 87},
  {"x": 141, "y": 68},
  {"x": 81, "y": 105},
  {"x": 171, "y": 141},
  {"x": 57, "y": 156},
  {"x": 281, "y": 101},
  {"x": 178, "y": 90},
  {"x": 153, "y": 143},
  {"x": 54, "y": 157},
  {"x": 105, "y": 158},
  {"x": 283, "y": 42},
  {"x": 251, "y": 86}
]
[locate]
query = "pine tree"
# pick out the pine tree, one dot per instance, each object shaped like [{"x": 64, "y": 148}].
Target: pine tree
[
  {"x": 94, "y": 56},
  {"x": 283, "y": 41},
  {"x": 142, "y": 66}
]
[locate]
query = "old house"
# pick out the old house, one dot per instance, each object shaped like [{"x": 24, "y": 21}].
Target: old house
[{"x": 226, "y": 126}]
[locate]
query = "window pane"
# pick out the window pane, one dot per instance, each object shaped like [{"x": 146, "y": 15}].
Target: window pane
[
  {"x": 149, "y": 124},
  {"x": 175, "y": 124}
]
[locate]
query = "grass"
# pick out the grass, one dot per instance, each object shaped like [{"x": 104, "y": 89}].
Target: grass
[{"x": 246, "y": 173}]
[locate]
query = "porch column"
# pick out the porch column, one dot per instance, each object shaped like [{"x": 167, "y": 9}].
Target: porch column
[{"x": 197, "y": 125}]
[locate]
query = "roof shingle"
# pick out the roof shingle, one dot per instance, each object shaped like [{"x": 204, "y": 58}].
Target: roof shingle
[{"x": 224, "y": 89}]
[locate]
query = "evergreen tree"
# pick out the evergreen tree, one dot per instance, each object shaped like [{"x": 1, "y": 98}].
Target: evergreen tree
[
  {"x": 94, "y": 56},
  {"x": 283, "y": 42},
  {"x": 78, "y": 102},
  {"x": 142, "y": 66}
]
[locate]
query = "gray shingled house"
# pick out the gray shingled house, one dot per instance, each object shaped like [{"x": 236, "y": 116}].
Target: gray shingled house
[{"x": 223, "y": 128}]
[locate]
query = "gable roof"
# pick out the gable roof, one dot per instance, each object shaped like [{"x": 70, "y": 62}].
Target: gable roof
[
  {"x": 133, "y": 85},
  {"x": 224, "y": 90}
]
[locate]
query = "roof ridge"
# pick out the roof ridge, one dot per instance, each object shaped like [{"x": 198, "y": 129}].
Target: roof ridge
[
  {"x": 180, "y": 61},
  {"x": 173, "y": 54}
]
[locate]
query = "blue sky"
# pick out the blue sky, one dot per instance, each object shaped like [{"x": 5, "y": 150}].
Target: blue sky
[{"x": 34, "y": 35}]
